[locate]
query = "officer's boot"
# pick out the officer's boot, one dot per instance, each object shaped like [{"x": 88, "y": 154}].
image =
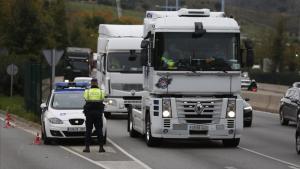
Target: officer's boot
[
  {"x": 87, "y": 149},
  {"x": 101, "y": 149}
]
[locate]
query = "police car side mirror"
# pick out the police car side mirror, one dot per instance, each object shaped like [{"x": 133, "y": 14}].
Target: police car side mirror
[{"x": 43, "y": 106}]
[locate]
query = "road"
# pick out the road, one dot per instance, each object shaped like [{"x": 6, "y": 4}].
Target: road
[{"x": 266, "y": 145}]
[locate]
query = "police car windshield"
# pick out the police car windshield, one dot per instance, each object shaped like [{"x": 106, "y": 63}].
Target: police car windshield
[
  {"x": 184, "y": 51},
  {"x": 124, "y": 62},
  {"x": 67, "y": 100}
]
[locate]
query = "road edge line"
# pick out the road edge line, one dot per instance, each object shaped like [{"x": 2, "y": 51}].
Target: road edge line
[
  {"x": 270, "y": 157},
  {"x": 83, "y": 157},
  {"x": 129, "y": 155}
]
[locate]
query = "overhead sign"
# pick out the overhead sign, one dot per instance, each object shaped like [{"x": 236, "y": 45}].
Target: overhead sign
[
  {"x": 12, "y": 69},
  {"x": 57, "y": 54}
]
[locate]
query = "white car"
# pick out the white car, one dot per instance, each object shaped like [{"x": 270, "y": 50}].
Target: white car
[
  {"x": 62, "y": 115},
  {"x": 83, "y": 79},
  {"x": 245, "y": 80}
]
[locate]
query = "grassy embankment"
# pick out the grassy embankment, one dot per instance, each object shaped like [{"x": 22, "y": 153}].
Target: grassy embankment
[{"x": 15, "y": 105}]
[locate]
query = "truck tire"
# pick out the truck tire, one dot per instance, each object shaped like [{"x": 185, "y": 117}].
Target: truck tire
[
  {"x": 247, "y": 123},
  {"x": 231, "y": 142},
  {"x": 151, "y": 141},
  {"x": 132, "y": 132},
  {"x": 283, "y": 121},
  {"x": 298, "y": 143}
]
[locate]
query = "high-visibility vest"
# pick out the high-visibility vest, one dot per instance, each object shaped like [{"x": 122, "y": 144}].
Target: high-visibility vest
[
  {"x": 94, "y": 95},
  {"x": 170, "y": 63}
]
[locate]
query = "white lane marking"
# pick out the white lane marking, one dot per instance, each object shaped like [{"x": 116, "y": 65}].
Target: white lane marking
[
  {"x": 230, "y": 167},
  {"x": 272, "y": 158},
  {"x": 108, "y": 149},
  {"x": 145, "y": 166},
  {"x": 88, "y": 159},
  {"x": 129, "y": 155},
  {"x": 264, "y": 112},
  {"x": 292, "y": 167},
  {"x": 122, "y": 164}
]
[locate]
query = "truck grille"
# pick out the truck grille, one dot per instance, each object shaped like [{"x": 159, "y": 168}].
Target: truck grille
[
  {"x": 230, "y": 123},
  {"x": 186, "y": 109},
  {"x": 127, "y": 87}
]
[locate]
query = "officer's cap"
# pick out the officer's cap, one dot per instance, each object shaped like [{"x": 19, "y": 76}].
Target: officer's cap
[{"x": 94, "y": 80}]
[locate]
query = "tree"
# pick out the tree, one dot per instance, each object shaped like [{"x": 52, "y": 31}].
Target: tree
[{"x": 279, "y": 45}]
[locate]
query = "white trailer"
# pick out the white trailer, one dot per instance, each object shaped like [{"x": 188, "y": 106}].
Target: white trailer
[
  {"x": 195, "y": 95},
  {"x": 119, "y": 68}
]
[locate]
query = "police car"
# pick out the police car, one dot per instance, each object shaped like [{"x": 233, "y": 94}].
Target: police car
[{"x": 62, "y": 115}]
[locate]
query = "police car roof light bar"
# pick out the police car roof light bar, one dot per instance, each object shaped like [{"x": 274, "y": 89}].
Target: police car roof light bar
[{"x": 65, "y": 85}]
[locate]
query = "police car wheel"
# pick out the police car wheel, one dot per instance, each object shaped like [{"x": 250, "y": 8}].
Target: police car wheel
[
  {"x": 298, "y": 143},
  {"x": 47, "y": 141},
  {"x": 151, "y": 141}
]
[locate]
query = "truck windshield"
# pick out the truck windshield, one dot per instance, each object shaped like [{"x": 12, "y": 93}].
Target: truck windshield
[
  {"x": 124, "y": 62},
  {"x": 183, "y": 52},
  {"x": 79, "y": 65}
]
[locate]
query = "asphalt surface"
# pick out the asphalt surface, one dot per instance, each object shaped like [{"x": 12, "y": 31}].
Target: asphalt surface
[{"x": 266, "y": 145}]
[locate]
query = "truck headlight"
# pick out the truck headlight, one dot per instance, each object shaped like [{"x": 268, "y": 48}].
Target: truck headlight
[
  {"x": 110, "y": 102},
  {"x": 231, "y": 109},
  {"x": 166, "y": 108},
  {"x": 55, "y": 120}
]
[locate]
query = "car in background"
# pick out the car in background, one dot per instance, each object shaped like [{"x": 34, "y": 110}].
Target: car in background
[
  {"x": 289, "y": 106},
  {"x": 62, "y": 115},
  {"x": 245, "y": 80},
  {"x": 248, "y": 113},
  {"x": 296, "y": 84},
  {"x": 298, "y": 136},
  {"x": 83, "y": 79}
]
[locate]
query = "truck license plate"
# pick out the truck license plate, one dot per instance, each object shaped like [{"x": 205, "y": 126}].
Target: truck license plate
[
  {"x": 76, "y": 129},
  {"x": 198, "y": 127}
]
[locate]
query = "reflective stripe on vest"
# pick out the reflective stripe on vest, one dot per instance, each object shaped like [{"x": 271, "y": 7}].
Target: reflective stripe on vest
[{"x": 93, "y": 94}]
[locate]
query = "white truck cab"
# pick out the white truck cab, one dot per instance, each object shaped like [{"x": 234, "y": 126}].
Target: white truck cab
[
  {"x": 119, "y": 68},
  {"x": 192, "y": 74}
]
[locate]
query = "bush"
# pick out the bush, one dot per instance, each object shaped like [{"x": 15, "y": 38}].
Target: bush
[
  {"x": 15, "y": 105},
  {"x": 284, "y": 78}
]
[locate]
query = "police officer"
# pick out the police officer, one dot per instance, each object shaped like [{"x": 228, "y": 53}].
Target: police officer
[{"x": 93, "y": 110}]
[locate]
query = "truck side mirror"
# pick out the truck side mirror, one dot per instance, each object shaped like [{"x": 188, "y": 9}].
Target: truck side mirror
[
  {"x": 144, "y": 57},
  {"x": 132, "y": 56},
  {"x": 144, "y": 44}
]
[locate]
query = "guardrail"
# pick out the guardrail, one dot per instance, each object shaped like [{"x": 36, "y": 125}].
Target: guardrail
[{"x": 267, "y": 98}]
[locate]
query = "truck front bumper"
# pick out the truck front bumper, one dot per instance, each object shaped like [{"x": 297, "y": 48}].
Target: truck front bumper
[{"x": 197, "y": 131}]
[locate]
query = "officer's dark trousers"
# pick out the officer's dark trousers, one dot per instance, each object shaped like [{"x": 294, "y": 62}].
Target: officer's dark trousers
[{"x": 93, "y": 119}]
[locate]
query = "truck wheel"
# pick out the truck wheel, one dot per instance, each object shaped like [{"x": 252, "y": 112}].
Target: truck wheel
[
  {"x": 151, "y": 141},
  {"x": 247, "y": 123},
  {"x": 132, "y": 132},
  {"x": 298, "y": 143},
  {"x": 107, "y": 115},
  {"x": 283, "y": 121},
  {"x": 231, "y": 142}
]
